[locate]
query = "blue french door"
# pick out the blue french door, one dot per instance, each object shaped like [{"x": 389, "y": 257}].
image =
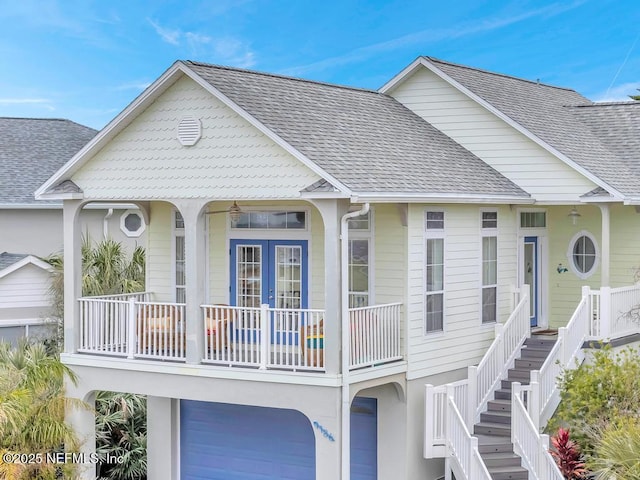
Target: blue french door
[
  {"x": 532, "y": 275},
  {"x": 270, "y": 272}
]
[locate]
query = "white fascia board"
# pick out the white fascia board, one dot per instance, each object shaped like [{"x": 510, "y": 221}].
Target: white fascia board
[
  {"x": 561, "y": 156},
  {"x": 632, "y": 201},
  {"x": 313, "y": 195},
  {"x": 61, "y": 196},
  {"x": 30, "y": 206},
  {"x": 374, "y": 197},
  {"x": 266, "y": 131},
  {"x": 106, "y": 205},
  {"x": 604, "y": 200},
  {"x": 114, "y": 127},
  {"x": 29, "y": 259}
]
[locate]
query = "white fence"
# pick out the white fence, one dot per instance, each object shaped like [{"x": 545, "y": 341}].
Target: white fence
[{"x": 618, "y": 313}]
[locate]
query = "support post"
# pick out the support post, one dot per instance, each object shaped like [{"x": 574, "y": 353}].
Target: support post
[
  {"x": 161, "y": 437},
  {"x": 429, "y": 416},
  {"x": 533, "y": 403},
  {"x": 72, "y": 274},
  {"x": 264, "y": 335},
  {"x": 472, "y": 392},
  {"x": 605, "y": 313},
  {"x": 131, "y": 326},
  {"x": 516, "y": 389},
  {"x": 606, "y": 245}
]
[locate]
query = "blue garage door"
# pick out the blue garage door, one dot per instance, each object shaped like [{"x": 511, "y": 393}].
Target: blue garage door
[
  {"x": 219, "y": 441},
  {"x": 364, "y": 439}
]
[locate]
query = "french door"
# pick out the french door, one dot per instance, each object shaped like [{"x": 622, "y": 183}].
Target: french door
[{"x": 270, "y": 272}]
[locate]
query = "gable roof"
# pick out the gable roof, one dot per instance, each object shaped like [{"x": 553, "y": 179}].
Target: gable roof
[
  {"x": 10, "y": 262},
  {"x": 31, "y": 150},
  {"x": 359, "y": 141},
  {"x": 548, "y": 113}
]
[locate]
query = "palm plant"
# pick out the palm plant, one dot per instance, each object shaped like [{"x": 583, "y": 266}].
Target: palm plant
[
  {"x": 617, "y": 452},
  {"x": 32, "y": 410}
]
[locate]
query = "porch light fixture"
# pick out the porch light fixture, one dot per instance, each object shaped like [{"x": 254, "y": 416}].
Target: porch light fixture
[
  {"x": 234, "y": 212},
  {"x": 574, "y": 215}
]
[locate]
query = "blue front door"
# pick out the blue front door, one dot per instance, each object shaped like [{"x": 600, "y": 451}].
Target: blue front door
[
  {"x": 364, "y": 439},
  {"x": 270, "y": 272},
  {"x": 531, "y": 268}
]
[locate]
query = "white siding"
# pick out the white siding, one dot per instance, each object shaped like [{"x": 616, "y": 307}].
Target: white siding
[
  {"x": 465, "y": 339},
  {"x": 160, "y": 252},
  {"x": 26, "y": 287},
  {"x": 521, "y": 160},
  {"x": 389, "y": 255},
  {"x": 233, "y": 160}
]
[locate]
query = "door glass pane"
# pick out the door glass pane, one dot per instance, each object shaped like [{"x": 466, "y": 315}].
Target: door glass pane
[
  {"x": 249, "y": 277},
  {"x": 358, "y": 272},
  {"x": 530, "y": 273},
  {"x": 288, "y": 276}
]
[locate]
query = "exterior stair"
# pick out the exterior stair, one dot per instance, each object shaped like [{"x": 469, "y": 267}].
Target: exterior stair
[{"x": 494, "y": 429}]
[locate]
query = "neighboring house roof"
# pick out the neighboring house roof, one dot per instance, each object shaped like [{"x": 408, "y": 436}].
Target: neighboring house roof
[
  {"x": 367, "y": 140},
  {"x": 550, "y": 114},
  {"x": 33, "y": 149},
  {"x": 10, "y": 262}
]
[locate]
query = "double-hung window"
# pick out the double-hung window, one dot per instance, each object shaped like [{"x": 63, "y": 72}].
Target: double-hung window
[
  {"x": 360, "y": 229},
  {"x": 489, "y": 287},
  {"x": 434, "y": 271}
]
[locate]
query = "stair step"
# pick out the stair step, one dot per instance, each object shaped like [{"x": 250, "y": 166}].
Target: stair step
[
  {"x": 494, "y": 444},
  {"x": 509, "y": 473},
  {"x": 503, "y": 393},
  {"x": 491, "y": 428},
  {"x": 499, "y": 405},
  {"x": 529, "y": 363},
  {"x": 518, "y": 374},
  {"x": 540, "y": 341},
  {"x": 534, "y": 352},
  {"x": 496, "y": 417},
  {"x": 501, "y": 459}
]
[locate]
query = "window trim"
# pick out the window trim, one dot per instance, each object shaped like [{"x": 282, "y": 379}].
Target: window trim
[
  {"x": 242, "y": 232},
  {"x": 123, "y": 226},
  {"x": 176, "y": 232},
  {"x": 369, "y": 235},
  {"x": 488, "y": 232},
  {"x": 431, "y": 234},
  {"x": 571, "y": 258}
]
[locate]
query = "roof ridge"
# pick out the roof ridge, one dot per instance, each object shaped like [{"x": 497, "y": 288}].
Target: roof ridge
[
  {"x": 610, "y": 103},
  {"x": 44, "y": 119},
  {"x": 497, "y": 74},
  {"x": 284, "y": 77}
]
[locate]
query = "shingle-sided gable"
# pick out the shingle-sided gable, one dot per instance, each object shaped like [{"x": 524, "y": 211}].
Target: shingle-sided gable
[
  {"x": 232, "y": 160},
  {"x": 31, "y": 150}
]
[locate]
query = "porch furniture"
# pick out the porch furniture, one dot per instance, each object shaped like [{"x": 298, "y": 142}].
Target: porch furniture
[
  {"x": 312, "y": 342},
  {"x": 160, "y": 329},
  {"x": 218, "y": 323}
]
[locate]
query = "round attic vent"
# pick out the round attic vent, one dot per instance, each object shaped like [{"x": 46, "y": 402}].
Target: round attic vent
[{"x": 189, "y": 131}]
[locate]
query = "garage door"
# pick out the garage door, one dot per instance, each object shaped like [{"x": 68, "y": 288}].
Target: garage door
[
  {"x": 220, "y": 441},
  {"x": 364, "y": 439}
]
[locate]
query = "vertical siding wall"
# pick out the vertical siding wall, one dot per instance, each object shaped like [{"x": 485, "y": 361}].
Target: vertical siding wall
[
  {"x": 490, "y": 138},
  {"x": 25, "y": 287},
  {"x": 464, "y": 340}
]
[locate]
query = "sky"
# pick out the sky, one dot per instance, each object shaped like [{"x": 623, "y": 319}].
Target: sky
[{"x": 86, "y": 60}]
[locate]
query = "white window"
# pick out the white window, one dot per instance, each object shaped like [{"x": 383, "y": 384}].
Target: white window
[
  {"x": 132, "y": 224},
  {"x": 272, "y": 220},
  {"x": 434, "y": 271},
  {"x": 533, "y": 219},
  {"x": 489, "y": 287},
  {"x": 583, "y": 254},
  {"x": 179, "y": 258},
  {"x": 360, "y": 260}
]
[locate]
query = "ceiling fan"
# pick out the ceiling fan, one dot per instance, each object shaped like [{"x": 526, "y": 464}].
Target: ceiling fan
[{"x": 234, "y": 212}]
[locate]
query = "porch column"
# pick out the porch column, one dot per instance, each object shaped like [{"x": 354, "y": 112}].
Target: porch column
[
  {"x": 332, "y": 211},
  {"x": 162, "y": 438},
  {"x": 83, "y": 422},
  {"x": 195, "y": 268},
  {"x": 72, "y": 270},
  {"x": 605, "y": 275}
]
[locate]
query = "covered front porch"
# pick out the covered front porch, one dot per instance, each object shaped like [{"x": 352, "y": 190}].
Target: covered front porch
[{"x": 136, "y": 327}]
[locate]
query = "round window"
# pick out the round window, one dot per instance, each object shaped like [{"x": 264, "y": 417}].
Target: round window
[{"x": 583, "y": 254}]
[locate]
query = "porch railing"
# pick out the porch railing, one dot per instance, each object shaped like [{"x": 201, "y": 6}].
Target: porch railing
[
  {"x": 618, "y": 313},
  {"x": 291, "y": 339},
  {"x": 375, "y": 335}
]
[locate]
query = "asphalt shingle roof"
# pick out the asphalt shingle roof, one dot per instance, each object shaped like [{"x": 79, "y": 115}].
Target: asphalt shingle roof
[
  {"x": 32, "y": 150},
  {"x": 365, "y": 139},
  {"x": 547, "y": 112},
  {"x": 8, "y": 259}
]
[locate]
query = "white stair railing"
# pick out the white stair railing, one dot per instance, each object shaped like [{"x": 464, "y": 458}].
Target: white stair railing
[
  {"x": 462, "y": 447},
  {"x": 485, "y": 378},
  {"x": 532, "y": 447}
]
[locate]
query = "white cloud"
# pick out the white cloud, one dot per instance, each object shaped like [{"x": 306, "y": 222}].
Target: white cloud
[
  {"x": 42, "y": 102},
  {"x": 227, "y": 50},
  {"x": 618, "y": 93},
  {"x": 141, "y": 85},
  {"x": 430, "y": 36}
]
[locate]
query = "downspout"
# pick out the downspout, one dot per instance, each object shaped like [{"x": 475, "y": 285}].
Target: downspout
[
  {"x": 105, "y": 223},
  {"x": 346, "y": 349}
]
